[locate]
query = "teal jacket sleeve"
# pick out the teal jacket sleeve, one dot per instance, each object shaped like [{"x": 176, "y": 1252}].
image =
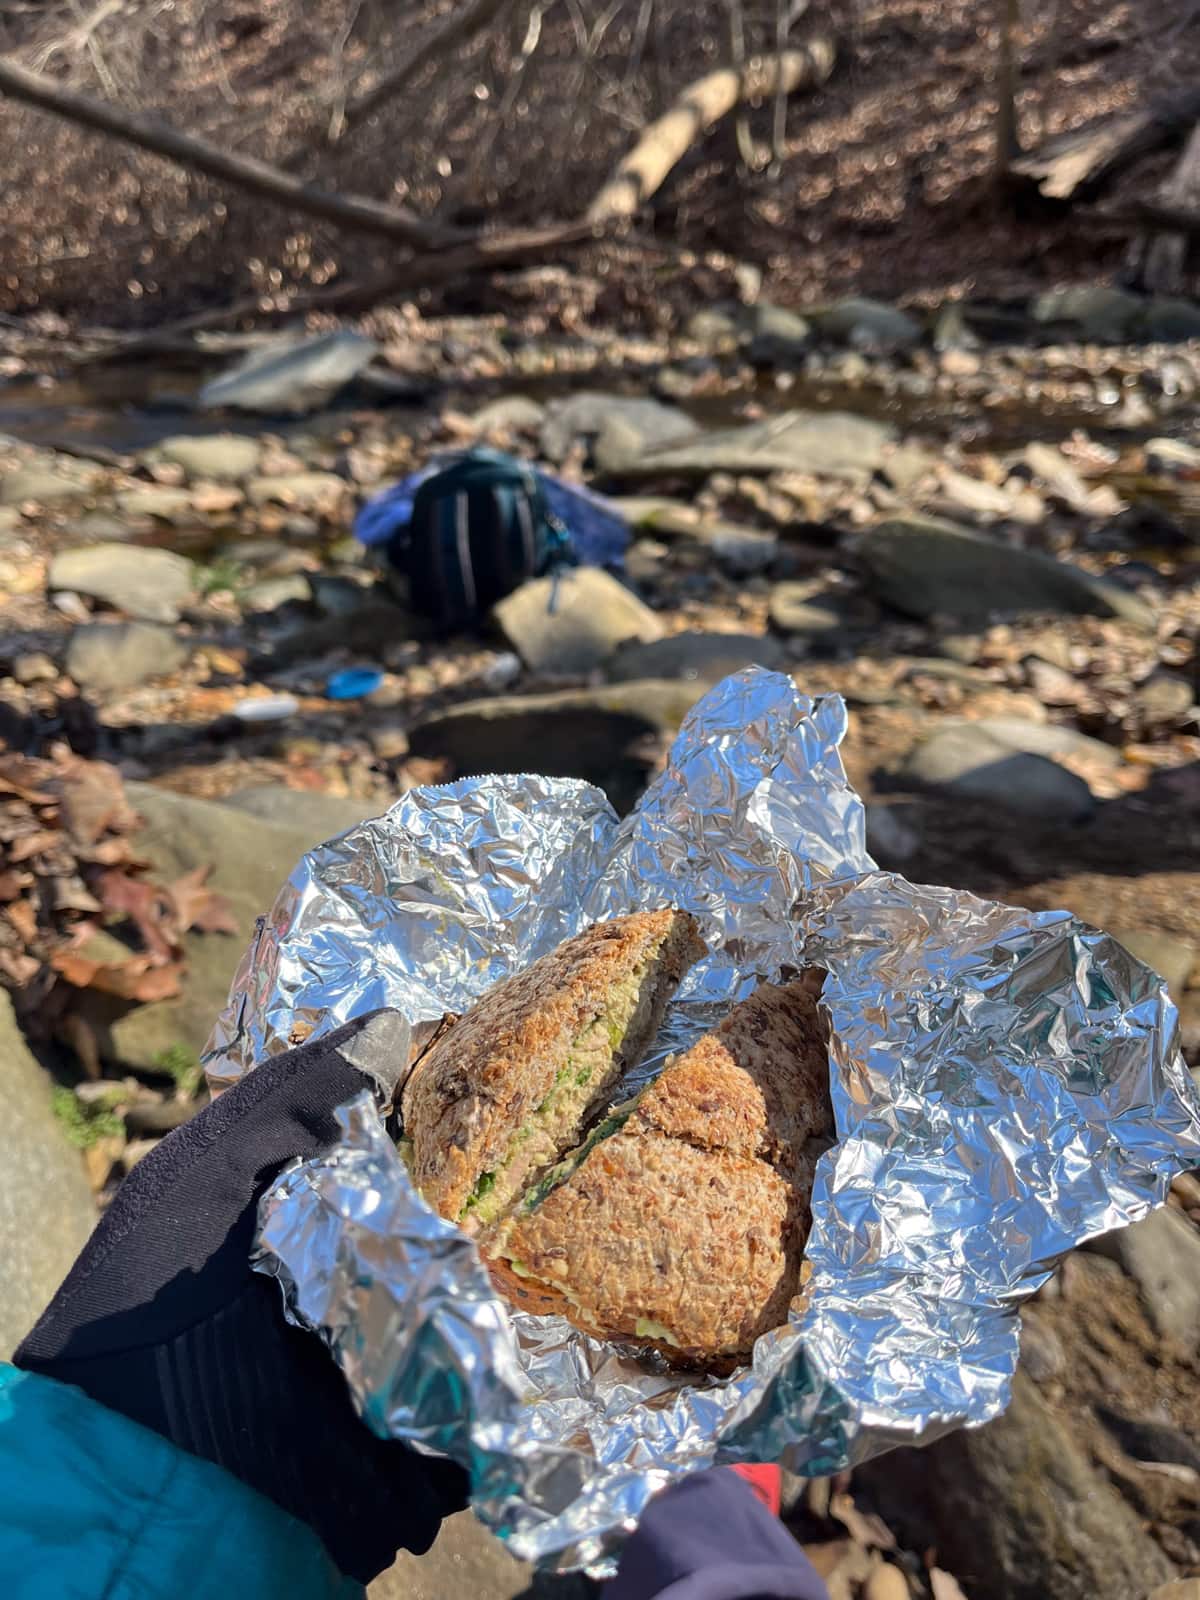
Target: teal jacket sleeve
[{"x": 96, "y": 1507}]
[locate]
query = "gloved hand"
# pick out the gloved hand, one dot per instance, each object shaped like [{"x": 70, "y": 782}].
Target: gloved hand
[{"x": 161, "y": 1318}]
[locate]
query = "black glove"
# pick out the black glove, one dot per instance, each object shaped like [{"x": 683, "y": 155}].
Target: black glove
[{"x": 162, "y": 1319}]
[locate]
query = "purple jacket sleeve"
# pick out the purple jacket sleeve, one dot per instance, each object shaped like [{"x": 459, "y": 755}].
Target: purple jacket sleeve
[{"x": 708, "y": 1538}]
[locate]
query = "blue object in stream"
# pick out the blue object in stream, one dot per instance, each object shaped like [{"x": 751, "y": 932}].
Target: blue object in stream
[{"x": 353, "y": 683}]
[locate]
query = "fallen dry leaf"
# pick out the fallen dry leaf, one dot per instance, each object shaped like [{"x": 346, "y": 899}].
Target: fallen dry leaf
[
  {"x": 23, "y": 919},
  {"x": 944, "y": 1586},
  {"x": 863, "y": 1526},
  {"x": 148, "y": 907},
  {"x": 139, "y": 978},
  {"x": 93, "y": 801},
  {"x": 199, "y": 907},
  {"x": 32, "y": 844},
  {"x": 12, "y": 884}
]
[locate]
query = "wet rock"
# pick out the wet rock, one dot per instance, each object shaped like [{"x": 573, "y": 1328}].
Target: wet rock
[
  {"x": 927, "y": 568},
  {"x": 1163, "y": 700},
  {"x": 1173, "y": 959},
  {"x": 703, "y": 657},
  {"x": 514, "y": 413},
  {"x": 633, "y": 424},
  {"x": 46, "y": 1208},
  {"x": 290, "y": 378},
  {"x": 1016, "y": 1505},
  {"x": 715, "y": 328},
  {"x": 220, "y": 457},
  {"x": 1161, "y": 1253},
  {"x": 609, "y": 736},
  {"x": 161, "y": 502},
  {"x": 150, "y": 584},
  {"x": 570, "y": 624},
  {"x": 778, "y": 338},
  {"x": 831, "y": 444},
  {"x": 965, "y": 759},
  {"x": 321, "y": 816},
  {"x": 1170, "y": 321},
  {"x": 867, "y": 324},
  {"x": 740, "y": 551},
  {"x": 251, "y": 858},
  {"x": 1107, "y": 316},
  {"x": 104, "y": 657},
  {"x": 58, "y": 479},
  {"x": 272, "y": 594},
  {"x": 1048, "y": 739},
  {"x": 320, "y": 492}
]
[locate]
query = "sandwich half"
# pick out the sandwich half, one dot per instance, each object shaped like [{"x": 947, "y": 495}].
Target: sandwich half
[
  {"x": 681, "y": 1221},
  {"x": 511, "y": 1084}
]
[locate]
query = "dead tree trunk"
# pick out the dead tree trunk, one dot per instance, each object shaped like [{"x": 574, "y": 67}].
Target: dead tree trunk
[
  {"x": 1164, "y": 255},
  {"x": 1078, "y": 162},
  {"x": 356, "y": 213},
  {"x": 1008, "y": 145},
  {"x": 664, "y": 143}
]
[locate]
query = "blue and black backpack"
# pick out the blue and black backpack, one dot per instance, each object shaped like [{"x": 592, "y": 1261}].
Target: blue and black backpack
[{"x": 480, "y": 528}]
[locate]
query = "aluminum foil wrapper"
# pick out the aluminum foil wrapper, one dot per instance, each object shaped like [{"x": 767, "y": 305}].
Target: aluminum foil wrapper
[{"x": 1006, "y": 1084}]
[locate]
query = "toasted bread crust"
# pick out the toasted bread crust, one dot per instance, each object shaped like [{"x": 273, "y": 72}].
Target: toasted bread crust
[
  {"x": 691, "y": 1220},
  {"x": 476, "y": 1086}
]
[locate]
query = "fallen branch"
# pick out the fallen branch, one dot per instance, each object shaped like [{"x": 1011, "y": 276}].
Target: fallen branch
[
  {"x": 462, "y": 24},
  {"x": 1081, "y": 160},
  {"x": 356, "y": 213},
  {"x": 418, "y": 272},
  {"x": 664, "y": 143}
]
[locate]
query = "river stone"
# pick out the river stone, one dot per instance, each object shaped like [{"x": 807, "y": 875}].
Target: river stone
[
  {"x": 1163, "y": 699},
  {"x": 609, "y": 736},
  {"x": 831, "y": 444},
  {"x": 1108, "y": 316},
  {"x": 571, "y": 623},
  {"x": 271, "y": 594},
  {"x": 251, "y": 859},
  {"x": 322, "y": 492},
  {"x": 778, "y": 338},
  {"x": 151, "y": 584},
  {"x": 1048, "y": 739},
  {"x": 48, "y": 484},
  {"x": 290, "y": 378},
  {"x": 1170, "y": 321},
  {"x": 104, "y": 657},
  {"x": 715, "y": 328},
  {"x": 924, "y": 568},
  {"x": 1161, "y": 1253},
  {"x": 466, "y": 1560},
  {"x": 156, "y": 500},
  {"x": 512, "y": 413},
  {"x": 1017, "y": 1505},
  {"x": 866, "y": 324},
  {"x": 46, "y": 1207},
  {"x": 965, "y": 759},
  {"x": 215, "y": 457},
  {"x": 586, "y": 415},
  {"x": 694, "y": 655}
]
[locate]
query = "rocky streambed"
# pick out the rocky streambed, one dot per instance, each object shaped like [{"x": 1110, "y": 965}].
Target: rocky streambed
[{"x": 992, "y": 551}]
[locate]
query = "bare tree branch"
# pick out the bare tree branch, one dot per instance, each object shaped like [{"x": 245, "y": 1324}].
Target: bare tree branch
[
  {"x": 356, "y": 213},
  {"x": 704, "y": 102},
  {"x": 463, "y": 23}
]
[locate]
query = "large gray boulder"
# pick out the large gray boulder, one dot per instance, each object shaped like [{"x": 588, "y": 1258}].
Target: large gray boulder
[
  {"x": 1017, "y": 1505},
  {"x": 608, "y": 736},
  {"x": 831, "y": 444},
  {"x": 151, "y": 584},
  {"x": 966, "y": 760},
  {"x": 868, "y": 324},
  {"x": 104, "y": 657},
  {"x": 926, "y": 568},
  {"x": 46, "y": 1206},
  {"x": 627, "y": 424},
  {"x": 694, "y": 655},
  {"x": 221, "y": 457},
  {"x": 290, "y": 378},
  {"x": 251, "y": 859}
]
